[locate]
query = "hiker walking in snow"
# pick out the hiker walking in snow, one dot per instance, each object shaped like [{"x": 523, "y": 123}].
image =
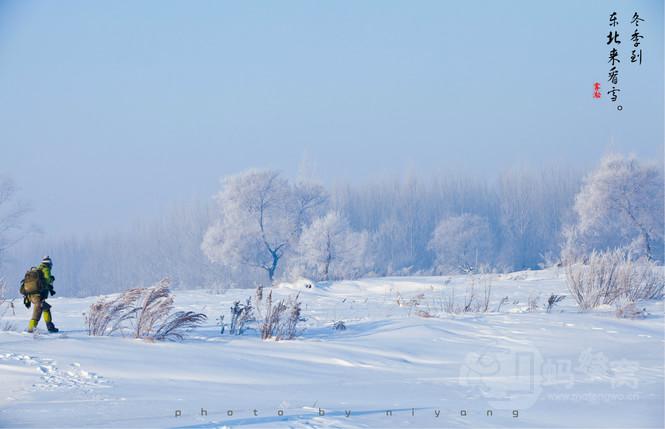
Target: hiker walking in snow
[{"x": 35, "y": 288}]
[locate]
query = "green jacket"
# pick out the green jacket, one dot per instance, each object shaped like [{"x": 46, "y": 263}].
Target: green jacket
[{"x": 46, "y": 270}]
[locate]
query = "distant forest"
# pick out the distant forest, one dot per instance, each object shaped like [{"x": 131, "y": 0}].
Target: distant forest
[{"x": 263, "y": 228}]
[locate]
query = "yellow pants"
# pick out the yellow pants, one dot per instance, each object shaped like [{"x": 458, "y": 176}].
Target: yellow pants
[{"x": 39, "y": 307}]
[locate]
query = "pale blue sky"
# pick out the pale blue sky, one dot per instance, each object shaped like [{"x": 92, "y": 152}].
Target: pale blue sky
[{"x": 112, "y": 110}]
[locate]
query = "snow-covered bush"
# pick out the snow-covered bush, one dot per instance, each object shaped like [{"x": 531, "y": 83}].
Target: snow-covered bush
[
  {"x": 108, "y": 315},
  {"x": 448, "y": 305},
  {"x": 339, "y": 325},
  {"x": 293, "y": 317},
  {"x": 472, "y": 303},
  {"x": 153, "y": 305},
  {"x": 604, "y": 277},
  {"x": 410, "y": 303},
  {"x": 281, "y": 318},
  {"x": 640, "y": 279},
  {"x": 487, "y": 295},
  {"x": 272, "y": 318},
  {"x": 594, "y": 282},
  {"x": 461, "y": 243},
  {"x": 221, "y": 324},
  {"x": 241, "y": 315},
  {"x": 329, "y": 250},
  {"x": 532, "y": 303},
  {"x": 176, "y": 325},
  {"x": 504, "y": 300},
  {"x": 553, "y": 300},
  {"x": 258, "y": 299},
  {"x": 620, "y": 204},
  {"x": 148, "y": 311}
]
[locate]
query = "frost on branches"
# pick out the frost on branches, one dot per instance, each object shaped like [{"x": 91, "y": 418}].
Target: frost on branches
[
  {"x": 329, "y": 250},
  {"x": 260, "y": 217},
  {"x": 620, "y": 205},
  {"x": 461, "y": 243}
]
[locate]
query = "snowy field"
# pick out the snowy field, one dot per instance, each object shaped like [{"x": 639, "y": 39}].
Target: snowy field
[{"x": 403, "y": 361}]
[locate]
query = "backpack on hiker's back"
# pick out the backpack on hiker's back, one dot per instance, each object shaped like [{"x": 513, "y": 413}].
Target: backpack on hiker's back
[{"x": 33, "y": 282}]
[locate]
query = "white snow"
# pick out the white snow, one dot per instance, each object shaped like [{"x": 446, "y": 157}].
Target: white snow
[{"x": 558, "y": 369}]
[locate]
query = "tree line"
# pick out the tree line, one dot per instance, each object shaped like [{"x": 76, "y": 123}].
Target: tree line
[{"x": 263, "y": 228}]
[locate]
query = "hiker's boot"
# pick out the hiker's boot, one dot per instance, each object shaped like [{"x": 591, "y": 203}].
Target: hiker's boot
[
  {"x": 32, "y": 325},
  {"x": 49, "y": 321}
]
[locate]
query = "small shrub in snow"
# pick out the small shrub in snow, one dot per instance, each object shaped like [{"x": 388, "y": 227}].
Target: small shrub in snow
[
  {"x": 148, "y": 310},
  {"x": 641, "y": 280},
  {"x": 221, "y": 324},
  {"x": 449, "y": 304},
  {"x": 281, "y": 318},
  {"x": 290, "y": 326},
  {"x": 154, "y": 305},
  {"x": 472, "y": 304},
  {"x": 108, "y": 316},
  {"x": 503, "y": 301},
  {"x": 487, "y": 294},
  {"x": 605, "y": 277},
  {"x": 176, "y": 325},
  {"x": 155, "y": 319},
  {"x": 272, "y": 317},
  {"x": 554, "y": 300},
  {"x": 241, "y": 314},
  {"x": 469, "y": 297},
  {"x": 339, "y": 325},
  {"x": 259, "y": 299},
  {"x": 532, "y": 303},
  {"x": 410, "y": 303},
  {"x": 594, "y": 282}
]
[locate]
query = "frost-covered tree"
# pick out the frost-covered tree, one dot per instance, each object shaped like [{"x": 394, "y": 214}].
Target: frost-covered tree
[
  {"x": 257, "y": 224},
  {"x": 619, "y": 204},
  {"x": 261, "y": 216},
  {"x": 533, "y": 207},
  {"x": 461, "y": 243},
  {"x": 311, "y": 200},
  {"x": 328, "y": 250},
  {"x": 389, "y": 247}
]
